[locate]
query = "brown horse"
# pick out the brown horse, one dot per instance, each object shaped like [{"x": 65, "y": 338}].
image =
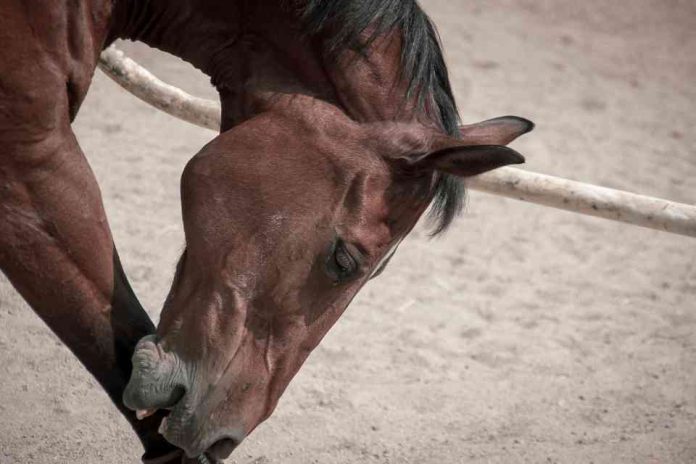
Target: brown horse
[{"x": 339, "y": 129}]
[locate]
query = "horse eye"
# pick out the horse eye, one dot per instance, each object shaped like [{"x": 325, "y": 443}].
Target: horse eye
[{"x": 343, "y": 262}]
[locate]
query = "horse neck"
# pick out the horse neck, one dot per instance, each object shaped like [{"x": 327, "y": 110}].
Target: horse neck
[
  {"x": 178, "y": 27},
  {"x": 255, "y": 51}
]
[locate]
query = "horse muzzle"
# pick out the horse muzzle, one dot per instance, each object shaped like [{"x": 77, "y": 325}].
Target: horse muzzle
[{"x": 158, "y": 379}]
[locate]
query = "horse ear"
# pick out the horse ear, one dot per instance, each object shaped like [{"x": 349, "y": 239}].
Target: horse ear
[
  {"x": 469, "y": 160},
  {"x": 497, "y": 131},
  {"x": 481, "y": 147}
]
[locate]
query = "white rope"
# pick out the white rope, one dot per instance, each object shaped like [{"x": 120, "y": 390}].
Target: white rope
[
  {"x": 147, "y": 87},
  {"x": 630, "y": 208},
  {"x": 522, "y": 185}
]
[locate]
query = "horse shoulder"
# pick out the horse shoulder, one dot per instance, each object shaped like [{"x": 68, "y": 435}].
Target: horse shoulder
[{"x": 48, "y": 54}]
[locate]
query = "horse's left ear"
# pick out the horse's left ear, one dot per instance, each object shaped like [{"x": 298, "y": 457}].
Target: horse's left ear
[
  {"x": 480, "y": 148},
  {"x": 468, "y": 160}
]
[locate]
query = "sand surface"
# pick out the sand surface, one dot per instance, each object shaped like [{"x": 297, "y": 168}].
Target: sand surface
[{"x": 525, "y": 335}]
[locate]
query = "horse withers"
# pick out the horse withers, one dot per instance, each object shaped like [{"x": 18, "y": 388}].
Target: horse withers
[{"x": 339, "y": 129}]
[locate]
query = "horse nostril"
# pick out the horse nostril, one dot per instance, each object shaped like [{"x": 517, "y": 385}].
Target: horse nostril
[{"x": 222, "y": 448}]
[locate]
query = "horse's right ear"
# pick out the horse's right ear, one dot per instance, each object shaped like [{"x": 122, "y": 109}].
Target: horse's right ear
[{"x": 497, "y": 131}]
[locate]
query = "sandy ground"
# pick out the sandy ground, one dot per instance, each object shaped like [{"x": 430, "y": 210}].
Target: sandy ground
[{"x": 525, "y": 335}]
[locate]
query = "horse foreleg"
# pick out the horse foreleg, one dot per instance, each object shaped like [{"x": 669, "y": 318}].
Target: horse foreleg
[{"x": 57, "y": 250}]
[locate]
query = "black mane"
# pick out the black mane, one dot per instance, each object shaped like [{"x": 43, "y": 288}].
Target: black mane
[{"x": 342, "y": 23}]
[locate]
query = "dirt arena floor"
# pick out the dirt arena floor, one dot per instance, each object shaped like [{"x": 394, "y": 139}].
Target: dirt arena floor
[{"x": 525, "y": 335}]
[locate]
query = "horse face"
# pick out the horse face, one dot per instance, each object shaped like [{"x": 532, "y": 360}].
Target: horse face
[{"x": 286, "y": 217}]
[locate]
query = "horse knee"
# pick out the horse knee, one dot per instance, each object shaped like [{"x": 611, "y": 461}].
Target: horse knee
[{"x": 26, "y": 154}]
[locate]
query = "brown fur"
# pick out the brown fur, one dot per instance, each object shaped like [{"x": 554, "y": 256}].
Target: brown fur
[{"x": 314, "y": 153}]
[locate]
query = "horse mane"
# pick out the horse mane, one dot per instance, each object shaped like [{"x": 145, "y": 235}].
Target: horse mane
[{"x": 342, "y": 24}]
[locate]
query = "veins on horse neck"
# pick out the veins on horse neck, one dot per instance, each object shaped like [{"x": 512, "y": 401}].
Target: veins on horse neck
[
  {"x": 255, "y": 75},
  {"x": 255, "y": 51},
  {"x": 250, "y": 49},
  {"x": 193, "y": 30}
]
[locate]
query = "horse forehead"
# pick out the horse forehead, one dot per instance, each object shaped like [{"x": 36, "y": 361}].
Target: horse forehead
[{"x": 317, "y": 159}]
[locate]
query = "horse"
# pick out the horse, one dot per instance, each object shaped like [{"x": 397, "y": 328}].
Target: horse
[{"x": 339, "y": 130}]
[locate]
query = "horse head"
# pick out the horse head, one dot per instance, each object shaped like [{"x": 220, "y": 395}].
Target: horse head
[{"x": 286, "y": 217}]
